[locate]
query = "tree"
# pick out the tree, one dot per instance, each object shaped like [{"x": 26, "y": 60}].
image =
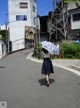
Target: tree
[{"x": 3, "y": 33}]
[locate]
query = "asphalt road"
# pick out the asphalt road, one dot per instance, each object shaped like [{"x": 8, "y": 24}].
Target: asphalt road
[{"x": 23, "y": 86}]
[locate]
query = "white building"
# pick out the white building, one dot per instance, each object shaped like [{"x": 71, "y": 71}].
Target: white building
[
  {"x": 75, "y": 19},
  {"x": 74, "y": 12},
  {"x": 21, "y": 14},
  {"x": 2, "y": 43},
  {"x": 2, "y": 47},
  {"x": 3, "y": 27}
]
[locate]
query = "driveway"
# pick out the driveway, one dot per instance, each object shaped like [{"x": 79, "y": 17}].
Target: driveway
[{"x": 23, "y": 86}]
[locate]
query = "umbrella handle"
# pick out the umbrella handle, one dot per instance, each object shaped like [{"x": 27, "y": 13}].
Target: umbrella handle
[{"x": 50, "y": 55}]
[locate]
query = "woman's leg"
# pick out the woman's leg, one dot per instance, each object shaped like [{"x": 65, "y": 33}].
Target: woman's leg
[{"x": 47, "y": 79}]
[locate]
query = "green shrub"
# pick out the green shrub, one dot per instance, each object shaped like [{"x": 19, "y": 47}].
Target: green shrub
[
  {"x": 66, "y": 50},
  {"x": 70, "y": 50},
  {"x": 38, "y": 51}
]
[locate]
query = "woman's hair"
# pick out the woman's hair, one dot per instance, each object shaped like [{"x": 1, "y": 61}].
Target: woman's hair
[{"x": 45, "y": 51}]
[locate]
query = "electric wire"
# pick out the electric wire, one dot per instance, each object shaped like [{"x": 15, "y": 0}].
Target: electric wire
[{"x": 19, "y": 13}]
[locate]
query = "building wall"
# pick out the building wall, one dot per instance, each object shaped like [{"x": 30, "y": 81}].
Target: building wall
[
  {"x": 3, "y": 27},
  {"x": 18, "y": 19},
  {"x": 75, "y": 24},
  {"x": 73, "y": 8},
  {"x": 2, "y": 49},
  {"x": 73, "y": 5}
]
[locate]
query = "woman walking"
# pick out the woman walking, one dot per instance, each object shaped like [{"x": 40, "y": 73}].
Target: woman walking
[{"x": 47, "y": 67}]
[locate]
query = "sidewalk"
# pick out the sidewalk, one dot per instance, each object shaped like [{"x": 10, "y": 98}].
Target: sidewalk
[{"x": 72, "y": 65}]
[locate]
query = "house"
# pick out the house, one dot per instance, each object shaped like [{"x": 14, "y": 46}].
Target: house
[
  {"x": 2, "y": 27},
  {"x": 2, "y": 47},
  {"x": 65, "y": 21},
  {"x": 21, "y": 14}
]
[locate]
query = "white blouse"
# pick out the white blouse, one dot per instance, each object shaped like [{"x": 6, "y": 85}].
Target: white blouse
[{"x": 46, "y": 55}]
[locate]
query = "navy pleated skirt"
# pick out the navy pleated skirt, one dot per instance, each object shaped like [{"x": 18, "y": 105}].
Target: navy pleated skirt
[{"x": 47, "y": 66}]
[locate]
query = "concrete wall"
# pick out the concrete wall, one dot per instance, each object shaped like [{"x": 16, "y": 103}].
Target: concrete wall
[{"x": 2, "y": 49}]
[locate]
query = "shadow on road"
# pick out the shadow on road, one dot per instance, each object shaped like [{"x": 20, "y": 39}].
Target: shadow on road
[
  {"x": 43, "y": 81},
  {"x": 2, "y": 67}
]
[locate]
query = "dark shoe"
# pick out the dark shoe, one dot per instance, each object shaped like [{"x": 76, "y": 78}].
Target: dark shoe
[
  {"x": 47, "y": 85},
  {"x": 45, "y": 81}
]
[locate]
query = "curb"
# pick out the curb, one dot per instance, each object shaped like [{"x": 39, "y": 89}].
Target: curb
[{"x": 56, "y": 65}]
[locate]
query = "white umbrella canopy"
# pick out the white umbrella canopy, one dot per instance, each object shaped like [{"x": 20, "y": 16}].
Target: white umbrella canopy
[{"x": 50, "y": 47}]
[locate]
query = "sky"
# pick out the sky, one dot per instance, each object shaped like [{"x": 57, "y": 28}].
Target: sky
[{"x": 43, "y": 7}]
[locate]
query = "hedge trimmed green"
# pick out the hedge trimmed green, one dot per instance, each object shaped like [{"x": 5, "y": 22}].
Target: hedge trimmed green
[
  {"x": 39, "y": 49},
  {"x": 70, "y": 50}
]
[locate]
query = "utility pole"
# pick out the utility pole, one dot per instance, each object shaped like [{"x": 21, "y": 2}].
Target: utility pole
[
  {"x": 38, "y": 28},
  {"x": 7, "y": 37},
  {"x": 63, "y": 19},
  {"x": 37, "y": 33},
  {"x": 50, "y": 29}
]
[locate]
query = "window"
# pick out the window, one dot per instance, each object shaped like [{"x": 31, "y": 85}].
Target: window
[
  {"x": 76, "y": 17},
  {"x": 33, "y": 21},
  {"x": 23, "y": 5},
  {"x": 21, "y": 17},
  {"x": 33, "y": 8}
]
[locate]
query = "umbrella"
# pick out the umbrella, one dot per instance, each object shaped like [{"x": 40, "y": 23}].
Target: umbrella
[{"x": 50, "y": 47}]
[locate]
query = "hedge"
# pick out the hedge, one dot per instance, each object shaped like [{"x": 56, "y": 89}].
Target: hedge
[{"x": 70, "y": 50}]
